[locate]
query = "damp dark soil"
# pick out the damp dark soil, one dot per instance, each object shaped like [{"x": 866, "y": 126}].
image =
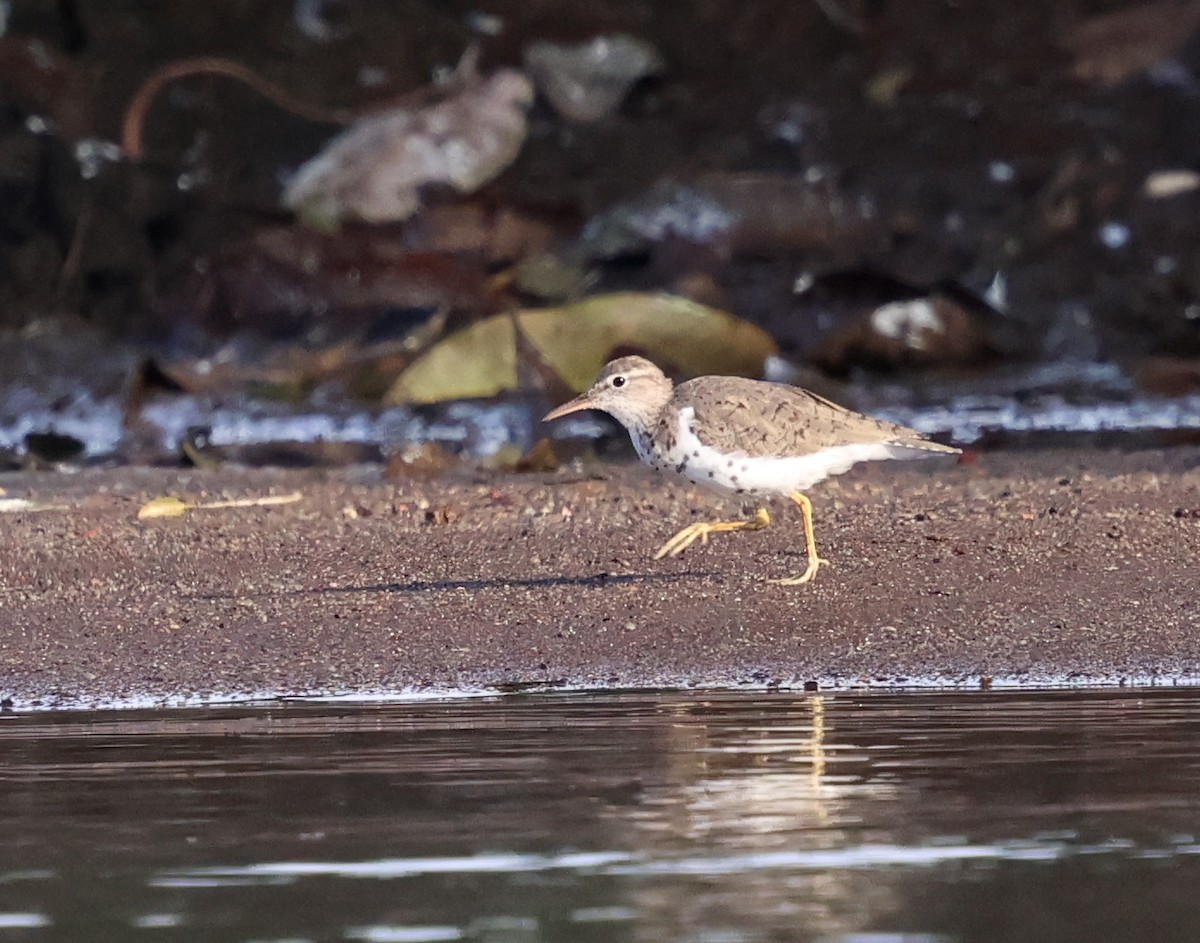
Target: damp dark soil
[{"x": 1045, "y": 566}]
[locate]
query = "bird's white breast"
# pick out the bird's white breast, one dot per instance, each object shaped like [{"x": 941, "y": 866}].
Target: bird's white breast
[{"x": 741, "y": 474}]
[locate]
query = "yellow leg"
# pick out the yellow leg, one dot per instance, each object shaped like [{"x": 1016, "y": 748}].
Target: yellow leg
[
  {"x": 810, "y": 544},
  {"x": 686, "y": 537}
]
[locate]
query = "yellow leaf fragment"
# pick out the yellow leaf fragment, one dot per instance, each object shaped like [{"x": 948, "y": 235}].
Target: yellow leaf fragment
[
  {"x": 168, "y": 506},
  {"x": 884, "y": 88},
  {"x": 165, "y": 506},
  {"x": 13, "y": 505},
  {"x": 265, "y": 501}
]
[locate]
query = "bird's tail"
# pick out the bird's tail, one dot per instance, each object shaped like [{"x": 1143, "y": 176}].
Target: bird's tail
[{"x": 913, "y": 446}]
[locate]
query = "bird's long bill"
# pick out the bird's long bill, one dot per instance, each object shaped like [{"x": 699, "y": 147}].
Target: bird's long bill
[{"x": 571, "y": 406}]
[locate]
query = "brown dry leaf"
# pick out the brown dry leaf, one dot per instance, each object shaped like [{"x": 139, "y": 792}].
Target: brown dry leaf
[
  {"x": 541, "y": 457},
  {"x": 478, "y": 229},
  {"x": 576, "y": 340},
  {"x": 737, "y": 213},
  {"x": 423, "y": 461},
  {"x": 1112, "y": 47},
  {"x": 40, "y": 80},
  {"x": 374, "y": 170},
  {"x": 318, "y": 291},
  {"x": 1168, "y": 375},
  {"x": 930, "y": 330}
]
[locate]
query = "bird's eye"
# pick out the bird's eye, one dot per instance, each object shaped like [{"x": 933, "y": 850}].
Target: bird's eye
[{"x": 618, "y": 381}]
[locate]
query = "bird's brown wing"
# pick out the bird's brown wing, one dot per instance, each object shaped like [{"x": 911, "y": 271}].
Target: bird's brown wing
[{"x": 772, "y": 419}]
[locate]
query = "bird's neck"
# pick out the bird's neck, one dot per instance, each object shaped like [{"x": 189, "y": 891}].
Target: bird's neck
[
  {"x": 640, "y": 426},
  {"x": 648, "y": 412}
]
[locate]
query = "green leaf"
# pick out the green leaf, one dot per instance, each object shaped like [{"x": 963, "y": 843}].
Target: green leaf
[{"x": 577, "y": 340}]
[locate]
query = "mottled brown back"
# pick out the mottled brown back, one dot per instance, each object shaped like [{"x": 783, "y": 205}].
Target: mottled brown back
[{"x": 774, "y": 419}]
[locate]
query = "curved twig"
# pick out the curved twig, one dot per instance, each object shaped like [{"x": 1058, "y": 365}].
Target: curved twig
[{"x": 139, "y": 105}]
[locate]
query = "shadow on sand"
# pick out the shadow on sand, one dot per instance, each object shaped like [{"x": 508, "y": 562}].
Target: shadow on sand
[{"x": 599, "y": 581}]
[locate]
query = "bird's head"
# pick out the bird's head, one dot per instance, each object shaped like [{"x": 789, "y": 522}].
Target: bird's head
[{"x": 630, "y": 389}]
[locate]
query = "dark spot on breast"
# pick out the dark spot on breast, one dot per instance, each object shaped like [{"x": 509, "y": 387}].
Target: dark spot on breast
[
  {"x": 729, "y": 464},
  {"x": 696, "y": 454},
  {"x": 681, "y": 466},
  {"x": 741, "y": 491},
  {"x": 712, "y": 474}
]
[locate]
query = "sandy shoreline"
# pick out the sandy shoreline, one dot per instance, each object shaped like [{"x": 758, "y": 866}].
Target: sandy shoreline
[{"x": 1046, "y": 566}]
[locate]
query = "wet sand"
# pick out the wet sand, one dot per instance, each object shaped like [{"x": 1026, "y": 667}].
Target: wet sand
[{"x": 1041, "y": 567}]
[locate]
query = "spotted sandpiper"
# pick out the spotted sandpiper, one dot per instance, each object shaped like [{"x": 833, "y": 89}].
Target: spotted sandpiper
[{"x": 742, "y": 436}]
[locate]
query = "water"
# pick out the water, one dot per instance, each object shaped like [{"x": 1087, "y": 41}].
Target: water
[
  {"x": 861, "y": 818},
  {"x": 1065, "y": 401}
]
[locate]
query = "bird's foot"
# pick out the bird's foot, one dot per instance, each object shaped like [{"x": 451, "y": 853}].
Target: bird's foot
[
  {"x": 814, "y": 563},
  {"x": 700, "y": 531}
]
